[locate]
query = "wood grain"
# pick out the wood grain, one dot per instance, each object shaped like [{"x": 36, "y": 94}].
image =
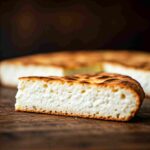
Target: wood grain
[{"x": 29, "y": 131}]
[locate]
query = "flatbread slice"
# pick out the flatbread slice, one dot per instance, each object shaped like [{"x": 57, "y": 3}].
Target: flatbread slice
[{"x": 100, "y": 96}]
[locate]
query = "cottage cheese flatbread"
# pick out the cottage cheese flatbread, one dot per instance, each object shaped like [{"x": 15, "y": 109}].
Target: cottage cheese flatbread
[{"x": 100, "y": 96}]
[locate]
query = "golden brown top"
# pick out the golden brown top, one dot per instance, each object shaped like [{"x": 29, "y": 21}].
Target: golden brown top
[
  {"x": 73, "y": 60},
  {"x": 138, "y": 60},
  {"x": 99, "y": 79}
]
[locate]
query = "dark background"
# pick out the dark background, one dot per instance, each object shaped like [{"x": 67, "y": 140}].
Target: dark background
[{"x": 29, "y": 26}]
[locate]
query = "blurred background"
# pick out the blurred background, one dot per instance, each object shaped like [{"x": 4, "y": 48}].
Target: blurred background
[{"x": 35, "y": 26}]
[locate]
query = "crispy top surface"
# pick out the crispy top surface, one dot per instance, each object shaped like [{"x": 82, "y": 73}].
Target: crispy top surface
[
  {"x": 72, "y": 60},
  {"x": 99, "y": 79},
  {"x": 137, "y": 60}
]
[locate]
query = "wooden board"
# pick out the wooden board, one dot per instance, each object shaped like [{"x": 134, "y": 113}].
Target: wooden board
[{"x": 29, "y": 131}]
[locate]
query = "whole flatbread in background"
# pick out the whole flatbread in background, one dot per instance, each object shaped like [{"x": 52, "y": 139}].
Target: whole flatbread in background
[
  {"x": 134, "y": 64},
  {"x": 101, "y": 96}
]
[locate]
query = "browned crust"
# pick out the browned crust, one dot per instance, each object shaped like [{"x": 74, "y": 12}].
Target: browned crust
[
  {"x": 135, "y": 60},
  {"x": 73, "y": 60},
  {"x": 101, "y": 79}
]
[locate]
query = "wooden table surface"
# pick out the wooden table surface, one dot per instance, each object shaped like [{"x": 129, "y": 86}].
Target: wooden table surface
[{"x": 29, "y": 131}]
